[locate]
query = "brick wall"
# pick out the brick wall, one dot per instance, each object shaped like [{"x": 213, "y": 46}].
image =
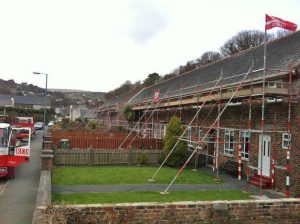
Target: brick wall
[
  {"x": 236, "y": 117},
  {"x": 252, "y": 211}
]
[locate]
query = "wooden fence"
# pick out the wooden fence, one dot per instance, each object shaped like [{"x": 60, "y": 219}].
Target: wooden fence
[
  {"x": 106, "y": 157},
  {"x": 100, "y": 140}
]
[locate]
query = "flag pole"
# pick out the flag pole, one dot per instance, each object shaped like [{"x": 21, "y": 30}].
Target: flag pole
[
  {"x": 265, "y": 47},
  {"x": 263, "y": 106}
]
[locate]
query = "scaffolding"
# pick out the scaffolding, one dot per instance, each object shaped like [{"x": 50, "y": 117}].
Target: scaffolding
[
  {"x": 251, "y": 88},
  {"x": 217, "y": 140}
]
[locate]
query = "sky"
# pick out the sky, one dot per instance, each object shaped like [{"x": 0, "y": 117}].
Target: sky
[{"x": 97, "y": 45}]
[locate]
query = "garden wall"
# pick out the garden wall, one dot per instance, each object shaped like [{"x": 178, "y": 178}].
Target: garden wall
[
  {"x": 251, "y": 211},
  {"x": 106, "y": 157}
]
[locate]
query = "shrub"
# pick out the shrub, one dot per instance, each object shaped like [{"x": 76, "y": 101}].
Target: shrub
[
  {"x": 92, "y": 124},
  {"x": 142, "y": 159},
  {"x": 178, "y": 156},
  {"x": 128, "y": 113},
  {"x": 65, "y": 121}
]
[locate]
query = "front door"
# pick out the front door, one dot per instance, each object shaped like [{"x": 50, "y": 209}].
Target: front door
[{"x": 264, "y": 155}]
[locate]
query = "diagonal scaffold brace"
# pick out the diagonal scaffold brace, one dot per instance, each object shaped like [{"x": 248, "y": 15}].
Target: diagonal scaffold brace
[
  {"x": 136, "y": 124},
  {"x": 220, "y": 114},
  {"x": 185, "y": 130}
]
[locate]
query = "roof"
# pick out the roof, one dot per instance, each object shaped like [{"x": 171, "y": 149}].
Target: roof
[
  {"x": 91, "y": 114},
  {"x": 5, "y": 100},
  {"x": 118, "y": 101},
  {"x": 280, "y": 53},
  {"x": 24, "y": 100},
  {"x": 4, "y": 125}
]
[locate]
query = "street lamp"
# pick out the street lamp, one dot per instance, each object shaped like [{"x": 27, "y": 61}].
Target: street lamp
[{"x": 45, "y": 94}]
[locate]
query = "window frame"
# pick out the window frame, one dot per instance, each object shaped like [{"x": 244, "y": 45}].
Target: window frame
[
  {"x": 245, "y": 144},
  {"x": 288, "y": 140},
  {"x": 229, "y": 151}
]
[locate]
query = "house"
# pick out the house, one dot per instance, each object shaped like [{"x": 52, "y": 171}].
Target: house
[
  {"x": 33, "y": 102},
  {"x": 81, "y": 112},
  {"x": 236, "y": 111}
]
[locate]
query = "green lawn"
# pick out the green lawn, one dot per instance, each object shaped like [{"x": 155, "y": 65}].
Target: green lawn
[
  {"x": 149, "y": 196},
  {"x": 117, "y": 175}
]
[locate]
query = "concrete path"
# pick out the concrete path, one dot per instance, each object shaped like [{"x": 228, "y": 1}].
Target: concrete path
[
  {"x": 148, "y": 187},
  {"x": 18, "y": 196}
]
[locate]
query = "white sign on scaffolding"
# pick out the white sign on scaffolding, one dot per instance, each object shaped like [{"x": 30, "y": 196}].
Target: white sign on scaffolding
[{"x": 156, "y": 96}]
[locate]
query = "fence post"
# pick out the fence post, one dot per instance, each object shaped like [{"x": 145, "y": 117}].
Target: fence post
[
  {"x": 91, "y": 156},
  {"x": 130, "y": 156}
]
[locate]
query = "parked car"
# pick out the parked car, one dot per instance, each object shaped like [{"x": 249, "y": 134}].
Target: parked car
[
  {"x": 50, "y": 123},
  {"x": 39, "y": 126}
]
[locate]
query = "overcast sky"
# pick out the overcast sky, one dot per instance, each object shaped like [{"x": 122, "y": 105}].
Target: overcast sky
[{"x": 97, "y": 45}]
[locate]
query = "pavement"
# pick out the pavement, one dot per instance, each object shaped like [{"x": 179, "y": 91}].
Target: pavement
[
  {"x": 230, "y": 183},
  {"x": 18, "y": 196}
]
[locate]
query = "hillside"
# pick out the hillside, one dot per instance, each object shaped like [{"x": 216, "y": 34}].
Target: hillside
[
  {"x": 10, "y": 87},
  {"x": 59, "y": 97},
  {"x": 73, "y": 91}
]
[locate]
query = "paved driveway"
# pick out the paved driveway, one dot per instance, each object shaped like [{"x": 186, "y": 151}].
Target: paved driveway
[{"x": 18, "y": 196}]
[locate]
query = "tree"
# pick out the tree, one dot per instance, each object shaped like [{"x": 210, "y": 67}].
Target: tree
[
  {"x": 151, "y": 79},
  {"x": 169, "y": 76},
  {"x": 178, "y": 156},
  {"x": 242, "y": 41},
  {"x": 124, "y": 88},
  {"x": 208, "y": 57},
  {"x": 282, "y": 33}
]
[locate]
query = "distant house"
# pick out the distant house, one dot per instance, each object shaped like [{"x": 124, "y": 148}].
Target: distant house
[
  {"x": 33, "y": 102},
  {"x": 79, "y": 112}
]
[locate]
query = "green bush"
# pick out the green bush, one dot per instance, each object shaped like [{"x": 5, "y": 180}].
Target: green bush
[
  {"x": 65, "y": 120},
  {"x": 142, "y": 159},
  {"x": 92, "y": 124},
  {"x": 128, "y": 113},
  {"x": 120, "y": 128},
  {"x": 179, "y": 155}
]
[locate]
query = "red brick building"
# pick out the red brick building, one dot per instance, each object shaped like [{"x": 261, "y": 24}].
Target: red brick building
[{"x": 233, "y": 110}]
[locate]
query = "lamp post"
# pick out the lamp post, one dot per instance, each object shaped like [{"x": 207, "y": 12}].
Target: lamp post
[{"x": 45, "y": 94}]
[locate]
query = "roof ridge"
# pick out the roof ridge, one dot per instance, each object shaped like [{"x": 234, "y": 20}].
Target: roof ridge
[{"x": 229, "y": 57}]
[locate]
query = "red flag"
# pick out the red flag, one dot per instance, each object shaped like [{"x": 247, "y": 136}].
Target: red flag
[{"x": 272, "y": 21}]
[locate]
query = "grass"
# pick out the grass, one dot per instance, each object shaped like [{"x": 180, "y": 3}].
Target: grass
[
  {"x": 122, "y": 175},
  {"x": 149, "y": 196}
]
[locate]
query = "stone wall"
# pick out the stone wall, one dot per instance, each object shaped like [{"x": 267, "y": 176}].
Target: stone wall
[{"x": 251, "y": 211}]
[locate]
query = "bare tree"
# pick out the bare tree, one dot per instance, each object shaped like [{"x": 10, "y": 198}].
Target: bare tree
[
  {"x": 208, "y": 57},
  {"x": 281, "y": 33},
  {"x": 243, "y": 40}
]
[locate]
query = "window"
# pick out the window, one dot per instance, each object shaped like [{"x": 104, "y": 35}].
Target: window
[
  {"x": 200, "y": 135},
  {"x": 190, "y": 135},
  {"x": 245, "y": 141},
  {"x": 272, "y": 84},
  {"x": 275, "y": 84},
  {"x": 286, "y": 140},
  {"x": 228, "y": 142}
]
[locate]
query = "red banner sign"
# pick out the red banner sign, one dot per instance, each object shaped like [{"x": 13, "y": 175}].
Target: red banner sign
[
  {"x": 272, "y": 21},
  {"x": 156, "y": 96}
]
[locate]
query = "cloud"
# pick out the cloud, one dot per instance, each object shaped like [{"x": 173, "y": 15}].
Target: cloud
[{"x": 147, "y": 22}]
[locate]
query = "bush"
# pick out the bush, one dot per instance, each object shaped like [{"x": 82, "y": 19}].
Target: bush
[
  {"x": 142, "y": 159},
  {"x": 65, "y": 120},
  {"x": 120, "y": 128},
  {"x": 178, "y": 156},
  {"x": 92, "y": 124},
  {"x": 128, "y": 113}
]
